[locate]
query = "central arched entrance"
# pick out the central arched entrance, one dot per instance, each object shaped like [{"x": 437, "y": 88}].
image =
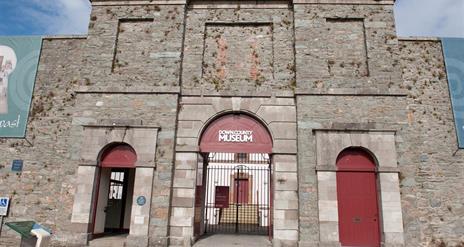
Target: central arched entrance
[{"x": 234, "y": 183}]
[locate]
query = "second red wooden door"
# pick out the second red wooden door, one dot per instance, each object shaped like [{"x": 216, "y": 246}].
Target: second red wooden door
[
  {"x": 357, "y": 200},
  {"x": 242, "y": 196}
]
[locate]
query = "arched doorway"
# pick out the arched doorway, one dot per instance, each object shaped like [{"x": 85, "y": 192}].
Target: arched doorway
[
  {"x": 114, "y": 190},
  {"x": 357, "y": 196},
  {"x": 234, "y": 183}
]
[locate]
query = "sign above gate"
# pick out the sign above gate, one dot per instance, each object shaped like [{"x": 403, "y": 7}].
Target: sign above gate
[{"x": 236, "y": 133}]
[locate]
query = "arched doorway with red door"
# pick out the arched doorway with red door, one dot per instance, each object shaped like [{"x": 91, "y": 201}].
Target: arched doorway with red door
[
  {"x": 234, "y": 177},
  {"x": 357, "y": 195},
  {"x": 114, "y": 188}
]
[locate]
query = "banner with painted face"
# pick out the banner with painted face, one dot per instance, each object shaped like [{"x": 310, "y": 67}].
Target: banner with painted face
[
  {"x": 19, "y": 58},
  {"x": 453, "y": 50}
]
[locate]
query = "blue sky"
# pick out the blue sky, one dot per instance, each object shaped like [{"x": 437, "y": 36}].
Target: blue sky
[{"x": 442, "y": 18}]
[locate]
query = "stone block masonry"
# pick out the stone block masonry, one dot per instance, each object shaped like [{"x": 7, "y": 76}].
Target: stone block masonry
[{"x": 320, "y": 75}]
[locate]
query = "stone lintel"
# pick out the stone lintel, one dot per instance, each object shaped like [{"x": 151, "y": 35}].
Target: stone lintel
[
  {"x": 88, "y": 164},
  {"x": 414, "y": 38},
  {"x": 324, "y": 168},
  {"x": 354, "y": 129},
  {"x": 120, "y": 122},
  {"x": 350, "y": 92},
  {"x": 255, "y": 94},
  {"x": 52, "y": 37},
  {"x": 128, "y": 90},
  {"x": 121, "y": 126}
]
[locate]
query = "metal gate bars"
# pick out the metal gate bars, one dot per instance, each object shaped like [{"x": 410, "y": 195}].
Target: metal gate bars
[{"x": 237, "y": 198}]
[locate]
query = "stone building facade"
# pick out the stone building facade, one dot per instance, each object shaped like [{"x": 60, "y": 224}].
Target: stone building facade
[{"x": 320, "y": 75}]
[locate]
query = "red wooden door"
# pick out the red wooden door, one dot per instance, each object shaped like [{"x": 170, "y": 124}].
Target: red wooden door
[
  {"x": 358, "y": 213},
  {"x": 242, "y": 191}
]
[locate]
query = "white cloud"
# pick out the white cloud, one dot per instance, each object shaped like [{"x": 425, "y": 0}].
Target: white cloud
[
  {"x": 441, "y": 18},
  {"x": 59, "y": 16}
]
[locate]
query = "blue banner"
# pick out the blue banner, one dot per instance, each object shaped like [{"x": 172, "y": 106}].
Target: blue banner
[
  {"x": 453, "y": 50},
  {"x": 19, "y": 58}
]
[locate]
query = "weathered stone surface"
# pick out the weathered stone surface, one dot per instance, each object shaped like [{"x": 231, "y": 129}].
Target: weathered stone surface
[
  {"x": 167, "y": 66},
  {"x": 359, "y": 52},
  {"x": 429, "y": 157},
  {"x": 235, "y": 50}
]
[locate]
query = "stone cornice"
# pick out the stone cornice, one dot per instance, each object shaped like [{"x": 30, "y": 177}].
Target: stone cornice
[
  {"x": 433, "y": 39},
  {"x": 169, "y": 2},
  {"x": 50, "y": 37},
  {"x": 136, "y": 2},
  {"x": 364, "y": 2},
  {"x": 350, "y": 92}
]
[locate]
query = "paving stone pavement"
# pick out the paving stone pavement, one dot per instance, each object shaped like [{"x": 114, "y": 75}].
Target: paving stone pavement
[
  {"x": 229, "y": 240},
  {"x": 109, "y": 241}
]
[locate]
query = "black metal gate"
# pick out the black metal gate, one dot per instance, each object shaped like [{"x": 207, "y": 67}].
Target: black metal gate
[{"x": 238, "y": 193}]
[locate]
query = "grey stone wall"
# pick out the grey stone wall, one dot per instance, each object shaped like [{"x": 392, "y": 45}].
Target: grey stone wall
[
  {"x": 335, "y": 112},
  {"x": 351, "y": 73},
  {"x": 116, "y": 74},
  {"x": 134, "y": 47},
  {"x": 235, "y": 51},
  {"x": 430, "y": 162},
  {"x": 345, "y": 46},
  {"x": 158, "y": 110},
  {"x": 347, "y": 79},
  {"x": 133, "y": 60},
  {"x": 43, "y": 191}
]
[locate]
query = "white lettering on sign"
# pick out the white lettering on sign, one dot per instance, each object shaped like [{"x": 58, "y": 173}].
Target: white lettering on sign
[
  {"x": 235, "y": 136},
  {"x": 10, "y": 123}
]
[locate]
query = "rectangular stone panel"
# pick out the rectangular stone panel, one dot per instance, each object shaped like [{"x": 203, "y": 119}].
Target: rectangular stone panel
[
  {"x": 136, "y": 51},
  {"x": 126, "y": 53},
  {"x": 346, "y": 47},
  {"x": 238, "y": 51}
]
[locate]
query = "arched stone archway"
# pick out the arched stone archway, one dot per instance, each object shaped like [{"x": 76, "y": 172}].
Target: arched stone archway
[
  {"x": 234, "y": 183},
  {"x": 278, "y": 116}
]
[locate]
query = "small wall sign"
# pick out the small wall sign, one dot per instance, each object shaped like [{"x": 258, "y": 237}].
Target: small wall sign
[
  {"x": 17, "y": 166},
  {"x": 221, "y": 200},
  {"x": 4, "y": 203},
  {"x": 141, "y": 200}
]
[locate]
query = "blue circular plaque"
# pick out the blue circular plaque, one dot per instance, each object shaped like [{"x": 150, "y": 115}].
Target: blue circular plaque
[{"x": 141, "y": 200}]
